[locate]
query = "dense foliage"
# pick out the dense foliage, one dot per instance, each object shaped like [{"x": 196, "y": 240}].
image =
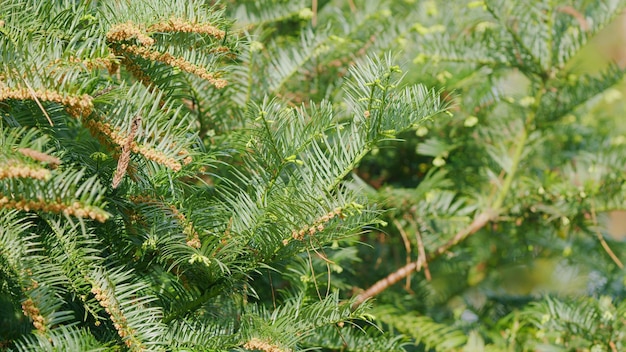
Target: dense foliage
[{"x": 199, "y": 175}]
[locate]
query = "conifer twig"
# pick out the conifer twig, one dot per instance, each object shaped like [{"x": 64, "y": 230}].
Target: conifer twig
[
  {"x": 479, "y": 222},
  {"x": 584, "y": 25},
  {"x": 605, "y": 245},
  {"x": 407, "y": 247},
  {"x": 352, "y": 6},
  {"x": 34, "y": 95},
  {"x": 421, "y": 254}
]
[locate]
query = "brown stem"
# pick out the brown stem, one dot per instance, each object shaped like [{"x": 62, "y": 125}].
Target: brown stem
[
  {"x": 352, "y": 6},
  {"x": 34, "y": 95},
  {"x": 314, "y": 8},
  {"x": 479, "y": 222},
  {"x": 407, "y": 247},
  {"x": 605, "y": 245},
  {"x": 421, "y": 257}
]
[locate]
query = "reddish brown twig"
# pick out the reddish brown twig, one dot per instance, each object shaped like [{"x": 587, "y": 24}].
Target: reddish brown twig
[
  {"x": 407, "y": 247},
  {"x": 582, "y": 22},
  {"x": 422, "y": 262},
  {"x": 479, "y": 222},
  {"x": 605, "y": 245}
]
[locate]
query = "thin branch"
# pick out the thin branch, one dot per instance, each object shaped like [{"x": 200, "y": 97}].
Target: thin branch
[
  {"x": 314, "y": 8},
  {"x": 479, "y": 222},
  {"x": 605, "y": 245},
  {"x": 582, "y": 22},
  {"x": 421, "y": 253},
  {"x": 34, "y": 95},
  {"x": 407, "y": 247},
  {"x": 352, "y": 6}
]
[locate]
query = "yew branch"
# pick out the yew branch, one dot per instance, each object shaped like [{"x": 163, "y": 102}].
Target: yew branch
[{"x": 479, "y": 222}]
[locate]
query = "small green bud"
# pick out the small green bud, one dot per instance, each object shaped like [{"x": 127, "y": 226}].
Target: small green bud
[
  {"x": 527, "y": 101},
  {"x": 421, "y": 131},
  {"x": 475, "y": 4},
  {"x": 567, "y": 251},
  {"x": 98, "y": 156},
  {"x": 256, "y": 46},
  {"x": 470, "y": 121},
  {"x": 612, "y": 95},
  {"x": 305, "y": 13},
  {"x": 420, "y": 59},
  {"x": 439, "y": 161},
  {"x": 388, "y": 133},
  {"x": 431, "y": 8}
]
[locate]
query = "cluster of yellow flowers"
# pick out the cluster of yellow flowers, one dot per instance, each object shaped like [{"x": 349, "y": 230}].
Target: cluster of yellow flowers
[
  {"x": 22, "y": 171},
  {"x": 117, "y": 317},
  {"x": 180, "y": 25},
  {"x": 76, "y": 209},
  {"x": 95, "y": 129},
  {"x": 139, "y": 198},
  {"x": 76, "y": 105},
  {"x": 138, "y": 73},
  {"x": 224, "y": 50},
  {"x": 127, "y": 31},
  {"x": 318, "y": 225},
  {"x": 173, "y": 61},
  {"x": 193, "y": 238},
  {"x": 124, "y": 32},
  {"x": 188, "y": 159},
  {"x": 160, "y": 158},
  {"x": 106, "y": 129},
  {"x": 192, "y": 235},
  {"x": 220, "y": 49},
  {"x": 257, "y": 344},
  {"x": 109, "y": 62},
  {"x": 29, "y": 309},
  {"x": 79, "y": 210}
]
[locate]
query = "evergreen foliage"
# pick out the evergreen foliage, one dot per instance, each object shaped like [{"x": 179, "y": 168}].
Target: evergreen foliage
[{"x": 193, "y": 175}]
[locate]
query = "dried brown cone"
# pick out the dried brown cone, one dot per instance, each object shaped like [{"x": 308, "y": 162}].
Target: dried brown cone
[
  {"x": 116, "y": 136},
  {"x": 122, "y": 162}
]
